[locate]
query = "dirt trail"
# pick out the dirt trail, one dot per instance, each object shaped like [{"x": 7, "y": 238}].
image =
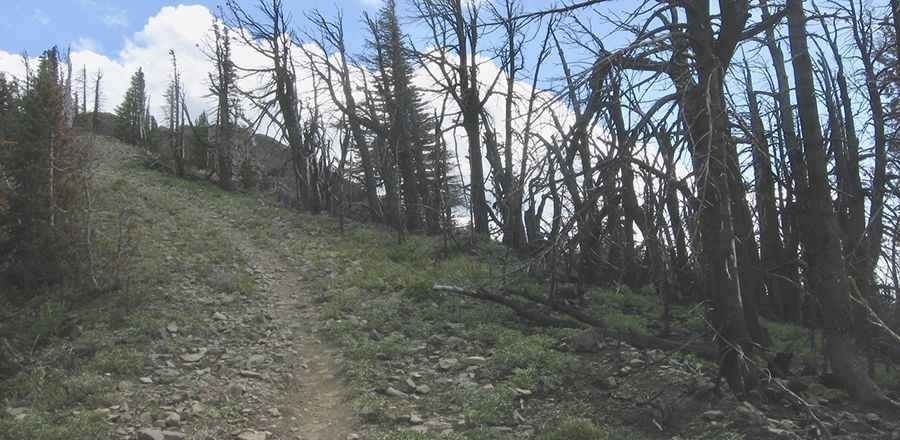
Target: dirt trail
[
  {"x": 229, "y": 362},
  {"x": 319, "y": 404}
]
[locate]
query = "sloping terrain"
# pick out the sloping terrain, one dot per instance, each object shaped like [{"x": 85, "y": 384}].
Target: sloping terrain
[{"x": 240, "y": 319}]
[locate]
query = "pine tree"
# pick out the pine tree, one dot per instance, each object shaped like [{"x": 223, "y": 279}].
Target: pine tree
[
  {"x": 201, "y": 131},
  {"x": 409, "y": 127},
  {"x": 44, "y": 167},
  {"x": 7, "y": 108},
  {"x": 131, "y": 114}
]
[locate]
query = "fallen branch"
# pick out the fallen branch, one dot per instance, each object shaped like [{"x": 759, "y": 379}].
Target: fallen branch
[
  {"x": 528, "y": 311},
  {"x": 539, "y": 311}
]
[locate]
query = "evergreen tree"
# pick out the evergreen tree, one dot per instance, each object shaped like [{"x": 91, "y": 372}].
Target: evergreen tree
[
  {"x": 201, "y": 131},
  {"x": 44, "y": 168},
  {"x": 410, "y": 143},
  {"x": 131, "y": 114},
  {"x": 8, "y": 108}
]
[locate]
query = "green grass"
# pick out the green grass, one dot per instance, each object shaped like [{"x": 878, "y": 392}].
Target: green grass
[
  {"x": 532, "y": 361},
  {"x": 118, "y": 361},
  {"x": 85, "y": 426}
]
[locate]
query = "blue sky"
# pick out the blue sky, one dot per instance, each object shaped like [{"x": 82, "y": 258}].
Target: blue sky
[{"x": 104, "y": 25}]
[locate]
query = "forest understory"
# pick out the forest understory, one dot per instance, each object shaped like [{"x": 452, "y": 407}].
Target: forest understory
[{"x": 241, "y": 319}]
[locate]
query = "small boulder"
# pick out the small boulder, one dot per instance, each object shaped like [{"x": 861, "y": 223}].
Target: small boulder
[
  {"x": 172, "y": 419},
  {"x": 474, "y": 360},
  {"x": 150, "y": 434},
  {"x": 253, "y": 435},
  {"x": 448, "y": 363},
  {"x": 393, "y": 392}
]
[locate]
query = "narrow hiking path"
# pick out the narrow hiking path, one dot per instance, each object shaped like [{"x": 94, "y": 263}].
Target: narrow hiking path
[
  {"x": 319, "y": 404},
  {"x": 233, "y": 349}
]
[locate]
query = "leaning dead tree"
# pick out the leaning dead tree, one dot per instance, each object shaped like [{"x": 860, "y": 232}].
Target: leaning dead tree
[{"x": 268, "y": 33}]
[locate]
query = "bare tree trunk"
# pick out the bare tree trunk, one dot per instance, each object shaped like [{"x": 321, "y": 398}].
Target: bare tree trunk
[{"x": 821, "y": 239}]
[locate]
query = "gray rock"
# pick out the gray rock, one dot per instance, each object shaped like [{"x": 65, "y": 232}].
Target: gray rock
[
  {"x": 235, "y": 390},
  {"x": 448, "y": 363},
  {"x": 393, "y": 392},
  {"x": 251, "y": 374},
  {"x": 474, "y": 360},
  {"x": 423, "y": 389},
  {"x": 713, "y": 414},
  {"x": 455, "y": 342},
  {"x": 173, "y": 435},
  {"x": 256, "y": 359},
  {"x": 146, "y": 380},
  {"x": 150, "y": 434},
  {"x": 197, "y": 408},
  {"x": 781, "y": 434},
  {"x": 253, "y": 435},
  {"x": 172, "y": 419},
  {"x": 873, "y": 418},
  {"x": 416, "y": 419},
  {"x": 219, "y": 316},
  {"x": 194, "y": 357}
]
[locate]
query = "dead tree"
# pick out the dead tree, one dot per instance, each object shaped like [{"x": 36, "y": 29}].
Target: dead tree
[
  {"x": 828, "y": 276},
  {"x": 454, "y": 28}
]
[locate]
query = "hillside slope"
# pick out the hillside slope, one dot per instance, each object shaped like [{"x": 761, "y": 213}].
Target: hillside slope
[{"x": 240, "y": 319}]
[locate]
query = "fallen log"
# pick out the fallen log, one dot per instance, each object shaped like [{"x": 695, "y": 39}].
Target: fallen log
[{"x": 539, "y": 311}]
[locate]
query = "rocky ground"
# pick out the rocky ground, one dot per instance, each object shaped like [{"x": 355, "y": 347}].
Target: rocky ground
[{"x": 241, "y": 320}]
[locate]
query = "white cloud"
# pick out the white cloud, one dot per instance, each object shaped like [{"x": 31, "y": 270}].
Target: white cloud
[{"x": 86, "y": 44}]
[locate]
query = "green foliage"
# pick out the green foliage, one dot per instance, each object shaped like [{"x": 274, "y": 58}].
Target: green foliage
[
  {"x": 132, "y": 118},
  {"x": 89, "y": 425},
  {"x": 488, "y": 407},
  {"x": 119, "y": 361},
  {"x": 198, "y": 149},
  {"x": 43, "y": 166},
  {"x": 625, "y": 310},
  {"x": 249, "y": 175},
  {"x": 576, "y": 429},
  {"x": 532, "y": 360},
  {"x": 887, "y": 376},
  {"x": 49, "y": 320},
  {"x": 788, "y": 337},
  {"x": 626, "y": 322},
  {"x": 49, "y": 389}
]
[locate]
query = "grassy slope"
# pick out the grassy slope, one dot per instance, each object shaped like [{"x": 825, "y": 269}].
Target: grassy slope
[{"x": 375, "y": 304}]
